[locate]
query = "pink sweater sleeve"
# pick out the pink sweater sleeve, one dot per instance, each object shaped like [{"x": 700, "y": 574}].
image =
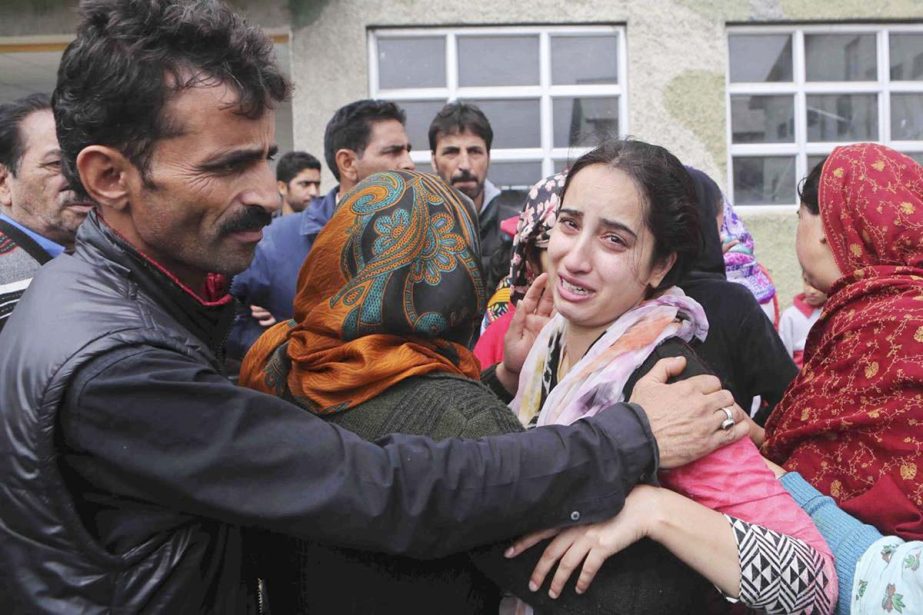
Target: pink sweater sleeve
[{"x": 734, "y": 480}]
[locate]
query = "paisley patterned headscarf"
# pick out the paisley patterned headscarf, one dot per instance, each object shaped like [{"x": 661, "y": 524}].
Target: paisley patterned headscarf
[
  {"x": 852, "y": 421},
  {"x": 392, "y": 288}
]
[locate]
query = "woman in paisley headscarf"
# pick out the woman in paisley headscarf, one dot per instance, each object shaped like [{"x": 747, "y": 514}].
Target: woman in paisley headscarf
[
  {"x": 528, "y": 261},
  {"x": 850, "y": 423},
  {"x": 386, "y": 305}
]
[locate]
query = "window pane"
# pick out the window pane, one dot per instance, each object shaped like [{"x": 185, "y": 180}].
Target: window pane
[
  {"x": 842, "y": 117},
  {"x": 425, "y": 167},
  {"x": 515, "y": 122},
  {"x": 764, "y": 180},
  {"x": 840, "y": 57},
  {"x": 760, "y": 57},
  {"x": 584, "y": 59},
  {"x": 907, "y": 117},
  {"x": 813, "y": 161},
  {"x": 918, "y": 156},
  {"x": 497, "y": 60},
  {"x": 906, "y": 56},
  {"x": 414, "y": 62},
  {"x": 420, "y": 114},
  {"x": 763, "y": 119},
  {"x": 509, "y": 174},
  {"x": 560, "y": 165},
  {"x": 585, "y": 121}
]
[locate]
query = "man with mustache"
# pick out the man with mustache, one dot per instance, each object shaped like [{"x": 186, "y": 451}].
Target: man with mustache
[
  {"x": 39, "y": 215},
  {"x": 362, "y": 138},
  {"x": 133, "y": 470},
  {"x": 460, "y": 137}
]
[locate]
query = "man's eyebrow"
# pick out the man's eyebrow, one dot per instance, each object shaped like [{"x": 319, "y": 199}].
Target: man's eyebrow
[
  {"x": 55, "y": 153},
  {"x": 571, "y": 212},
  {"x": 238, "y": 157},
  {"x": 396, "y": 147}
]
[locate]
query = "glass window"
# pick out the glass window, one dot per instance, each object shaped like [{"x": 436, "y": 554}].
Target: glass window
[
  {"x": 550, "y": 92},
  {"x": 426, "y": 54},
  {"x": 763, "y": 119},
  {"x": 420, "y": 114},
  {"x": 842, "y": 117},
  {"x": 795, "y": 93},
  {"x": 764, "y": 180},
  {"x": 907, "y": 117},
  {"x": 497, "y": 60},
  {"x": 584, "y": 121},
  {"x": 760, "y": 57},
  {"x": 840, "y": 57},
  {"x": 582, "y": 60},
  {"x": 906, "y": 56}
]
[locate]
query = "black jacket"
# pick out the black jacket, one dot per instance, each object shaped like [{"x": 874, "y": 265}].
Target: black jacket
[
  {"x": 130, "y": 464},
  {"x": 742, "y": 347}
]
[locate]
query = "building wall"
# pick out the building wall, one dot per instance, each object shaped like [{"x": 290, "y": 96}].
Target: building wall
[{"x": 677, "y": 62}]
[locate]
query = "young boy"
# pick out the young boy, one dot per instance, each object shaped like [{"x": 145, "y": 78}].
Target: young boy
[{"x": 799, "y": 318}]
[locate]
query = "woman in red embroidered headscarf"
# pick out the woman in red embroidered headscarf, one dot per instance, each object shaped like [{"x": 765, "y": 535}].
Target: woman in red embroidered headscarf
[{"x": 852, "y": 421}]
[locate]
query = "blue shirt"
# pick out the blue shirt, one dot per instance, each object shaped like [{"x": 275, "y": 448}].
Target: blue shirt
[
  {"x": 53, "y": 249},
  {"x": 270, "y": 280}
]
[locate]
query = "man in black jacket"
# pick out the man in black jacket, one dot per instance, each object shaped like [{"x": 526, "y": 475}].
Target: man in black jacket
[{"x": 130, "y": 465}]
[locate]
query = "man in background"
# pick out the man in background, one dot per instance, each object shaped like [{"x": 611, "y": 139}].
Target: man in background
[
  {"x": 362, "y": 138},
  {"x": 298, "y": 177},
  {"x": 39, "y": 215},
  {"x": 460, "y": 137}
]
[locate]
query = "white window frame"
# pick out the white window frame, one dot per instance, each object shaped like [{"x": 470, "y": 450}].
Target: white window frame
[
  {"x": 801, "y": 88},
  {"x": 547, "y": 154}
]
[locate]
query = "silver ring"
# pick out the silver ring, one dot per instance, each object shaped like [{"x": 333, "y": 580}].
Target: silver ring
[{"x": 729, "y": 421}]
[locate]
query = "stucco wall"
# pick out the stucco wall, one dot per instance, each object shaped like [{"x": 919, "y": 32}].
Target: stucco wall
[{"x": 677, "y": 62}]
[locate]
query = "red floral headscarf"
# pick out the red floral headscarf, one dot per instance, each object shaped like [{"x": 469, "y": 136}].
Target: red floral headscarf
[{"x": 852, "y": 421}]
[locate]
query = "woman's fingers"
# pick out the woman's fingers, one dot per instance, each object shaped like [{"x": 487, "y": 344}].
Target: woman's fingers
[
  {"x": 553, "y": 552},
  {"x": 528, "y": 541},
  {"x": 569, "y": 562},
  {"x": 533, "y": 298},
  {"x": 591, "y": 565}
]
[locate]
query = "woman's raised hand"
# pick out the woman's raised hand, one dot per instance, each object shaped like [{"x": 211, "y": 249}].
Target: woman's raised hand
[
  {"x": 590, "y": 544},
  {"x": 532, "y": 313}
]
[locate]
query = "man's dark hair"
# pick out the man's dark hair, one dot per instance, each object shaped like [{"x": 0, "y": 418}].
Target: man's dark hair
[
  {"x": 810, "y": 186},
  {"x": 458, "y": 117},
  {"x": 293, "y": 163},
  {"x": 668, "y": 196},
  {"x": 130, "y": 57},
  {"x": 351, "y": 126},
  {"x": 12, "y": 141}
]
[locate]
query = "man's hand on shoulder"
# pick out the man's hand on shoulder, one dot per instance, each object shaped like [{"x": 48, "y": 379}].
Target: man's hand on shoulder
[{"x": 686, "y": 417}]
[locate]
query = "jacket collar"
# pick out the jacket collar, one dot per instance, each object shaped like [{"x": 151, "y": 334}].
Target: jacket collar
[
  {"x": 207, "y": 318},
  {"x": 316, "y": 215}
]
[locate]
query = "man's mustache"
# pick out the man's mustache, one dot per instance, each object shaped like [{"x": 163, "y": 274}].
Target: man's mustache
[
  {"x": 463, "y": 176},
  {"x": 252, "y": 218}
]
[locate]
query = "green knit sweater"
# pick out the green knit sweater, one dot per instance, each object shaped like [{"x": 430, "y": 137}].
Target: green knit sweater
[{"x": 314, "y": 578}]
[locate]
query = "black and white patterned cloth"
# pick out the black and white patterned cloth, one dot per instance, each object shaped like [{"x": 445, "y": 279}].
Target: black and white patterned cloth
[{"x": 778, "y": 573}]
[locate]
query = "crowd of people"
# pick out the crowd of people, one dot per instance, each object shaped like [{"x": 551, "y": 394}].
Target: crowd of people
[{"x": 223, "y": 390}]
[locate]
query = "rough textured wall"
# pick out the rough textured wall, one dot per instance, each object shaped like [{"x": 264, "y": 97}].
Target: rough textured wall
[
  {"x": 774, "y": 237},
  {"x": 677, "y": 62}
]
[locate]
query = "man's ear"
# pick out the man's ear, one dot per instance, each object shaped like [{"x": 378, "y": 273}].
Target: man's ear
[
  {"x": 107, "y": 175},
  {"x": 6, "y": 195},
  {"x": 282, "y": 187},
  {"x": 346, "y": 164}
]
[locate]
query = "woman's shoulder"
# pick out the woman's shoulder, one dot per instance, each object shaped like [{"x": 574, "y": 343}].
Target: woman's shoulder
[
  {"x": 672, "y": 347},
  {"x": 435, "y": 405}
]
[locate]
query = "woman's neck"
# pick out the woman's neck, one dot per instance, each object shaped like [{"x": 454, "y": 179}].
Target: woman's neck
[{"x": 577, "y": 341}]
